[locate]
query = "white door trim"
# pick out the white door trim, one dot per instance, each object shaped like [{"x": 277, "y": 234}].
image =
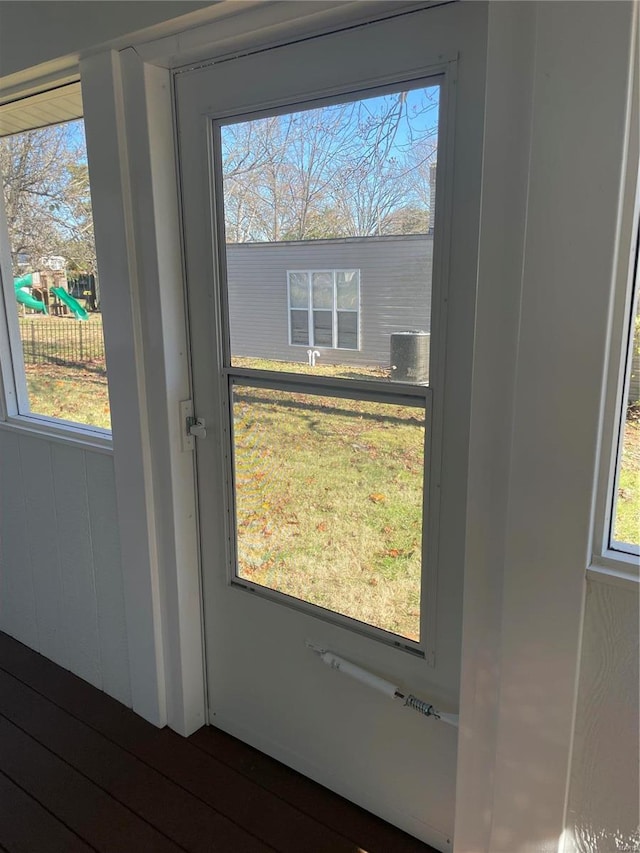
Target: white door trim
[
  {"x": 107, "y": 148},
  {"x": 156, "y": 220},
  {"x": 130, "y": 140}
]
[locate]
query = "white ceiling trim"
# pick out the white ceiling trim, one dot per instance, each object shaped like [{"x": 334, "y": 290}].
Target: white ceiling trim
[
  {"x": 246, "y": 25},
  {"x": 226, "y": 28}
]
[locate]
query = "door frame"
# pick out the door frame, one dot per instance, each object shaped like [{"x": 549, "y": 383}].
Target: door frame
[
  {"x": 138, "y": 151},
  {"x": 206, "y": 94},
  {"x": 461, "y": 165}
]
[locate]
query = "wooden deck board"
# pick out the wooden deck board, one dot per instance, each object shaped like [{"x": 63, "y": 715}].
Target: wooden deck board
[
  {"x": 179, "y": 815},
  {"x": 26, "y": 826},
  {"x": 91, "y": 813},
  {"x": 251, "y": 806},
  {"x": 370, "y": 832},
  {"x": 121, "y": 784}
]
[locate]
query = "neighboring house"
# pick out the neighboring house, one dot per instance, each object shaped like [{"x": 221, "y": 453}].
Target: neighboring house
[{"x": 344, "y": 297}]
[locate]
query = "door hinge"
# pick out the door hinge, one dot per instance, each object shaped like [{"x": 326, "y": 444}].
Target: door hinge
[{"x": 192, "y": 427}]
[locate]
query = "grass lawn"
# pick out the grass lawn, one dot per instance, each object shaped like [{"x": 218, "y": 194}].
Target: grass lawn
[
  {"x": 329, "y": 497},
  {"x": 70, "y": 379},
  {"x": 329, "y": 502},
  {"x": 76, "y": 394},
  {"x": 627, "y": 523},
  {"x": 340, "y": 371}
]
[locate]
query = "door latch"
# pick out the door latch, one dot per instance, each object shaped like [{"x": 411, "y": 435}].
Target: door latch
[
  {"x": 192, "y": 427},
  {"x": 196, "y": 427}
]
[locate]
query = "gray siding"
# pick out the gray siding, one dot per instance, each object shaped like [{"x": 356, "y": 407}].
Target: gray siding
[{"x": 395, "y": 293}]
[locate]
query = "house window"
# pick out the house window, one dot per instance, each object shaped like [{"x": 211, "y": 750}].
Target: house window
[
  {"x": 50, "y": 278},
  {"x": 324, "y": 308}
]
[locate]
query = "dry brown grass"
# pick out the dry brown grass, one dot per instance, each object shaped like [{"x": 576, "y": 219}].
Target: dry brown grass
[{"x": 329, "y": 503}]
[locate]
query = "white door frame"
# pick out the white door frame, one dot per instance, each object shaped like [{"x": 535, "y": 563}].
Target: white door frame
[{"x": 129, "y": 126}]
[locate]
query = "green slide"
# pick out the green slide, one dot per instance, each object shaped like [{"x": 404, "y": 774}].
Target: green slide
[
  {"x": 20, "y": 286},
  {"x": 71, "y": 303}
]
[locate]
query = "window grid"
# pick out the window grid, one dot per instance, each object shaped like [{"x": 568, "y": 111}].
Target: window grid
[{"x": 312, "y": 310}]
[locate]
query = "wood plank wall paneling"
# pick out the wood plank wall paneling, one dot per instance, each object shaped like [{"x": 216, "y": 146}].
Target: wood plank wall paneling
[
  {"x": 604, "y": 788},
  {"x": 61, "y": 584},
  {"x": 37, "y": 476},
  {"x": 105, "y": 543},
  {"x": 76, "y": 560},
  {"x": 17, "y": 598}
]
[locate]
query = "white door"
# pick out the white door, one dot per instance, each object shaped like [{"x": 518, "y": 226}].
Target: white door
[{"x": 331, "y": 316}]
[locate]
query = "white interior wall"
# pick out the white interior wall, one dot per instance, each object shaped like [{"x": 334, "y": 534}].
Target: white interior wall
[
  {"x": 61, "y": 581},
  {"x": 81, "y": 572},
  {"x": 557, "y": 90}
]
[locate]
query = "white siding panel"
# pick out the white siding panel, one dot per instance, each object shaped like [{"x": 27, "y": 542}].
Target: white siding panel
[
  {"x": 17, "y": 601},
  {"x": 61, "y": 580},
  {"x": 37, "y": 474},
  {"x": 603, "y": 813},
  {"x": 105, "y": 541},
  {"x": 76, "y": 561}
]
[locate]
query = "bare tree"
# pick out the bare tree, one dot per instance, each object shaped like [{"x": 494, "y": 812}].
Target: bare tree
[
  {"x": 334, "y": 171},
  {"x": 47, "y": 200}
]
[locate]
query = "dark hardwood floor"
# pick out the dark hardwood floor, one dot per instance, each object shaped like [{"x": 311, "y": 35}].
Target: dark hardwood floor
[{"x": 80, "y": 772}]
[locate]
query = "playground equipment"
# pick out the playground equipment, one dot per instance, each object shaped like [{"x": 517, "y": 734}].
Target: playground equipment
[
  {"x": 72, "y": 304},
  {"x": 22, "y": 286},
  {"x": 25, "y": 283}
]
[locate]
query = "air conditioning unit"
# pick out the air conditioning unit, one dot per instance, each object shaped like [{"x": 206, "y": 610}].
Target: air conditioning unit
[{"x": 410, "y": 357}]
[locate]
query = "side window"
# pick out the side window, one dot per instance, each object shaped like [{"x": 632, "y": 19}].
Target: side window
[
  {"x": 324, "y": 308},
  {"x": 52, "y": 299},
  {"x": 625, "y": 525}
]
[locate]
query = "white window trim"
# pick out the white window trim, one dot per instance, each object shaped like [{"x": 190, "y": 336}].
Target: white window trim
[
  {"x": 15, "y": 411},
  {"x": 618, "y": 564},
  {"x": 334, "y": 310}
]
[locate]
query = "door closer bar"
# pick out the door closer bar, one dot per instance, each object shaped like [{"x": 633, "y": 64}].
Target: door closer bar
[{"x": 381, "y": 684}]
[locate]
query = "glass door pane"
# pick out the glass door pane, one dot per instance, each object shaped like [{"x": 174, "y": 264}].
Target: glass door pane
[
  {"x": 331, "y": 209},
  {"x": 328, "y": 231},
  {"x": 328, "y": 496}
]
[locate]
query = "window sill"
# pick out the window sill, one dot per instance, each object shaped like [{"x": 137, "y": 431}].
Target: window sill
[
  {"x": 621, "y": 570},
  {"x": 85, "y": 438}
]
